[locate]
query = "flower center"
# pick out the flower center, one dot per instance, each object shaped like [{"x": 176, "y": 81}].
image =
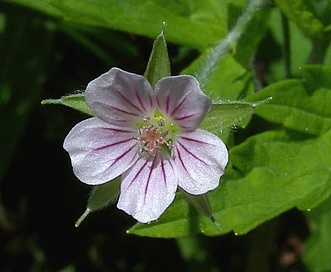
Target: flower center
[{"x": 153, "y": 136}]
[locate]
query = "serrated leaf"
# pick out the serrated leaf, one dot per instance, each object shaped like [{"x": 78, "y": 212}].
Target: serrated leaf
[
  {"x": 74, "y": 101},
  {"x": 158, "y": 64}
]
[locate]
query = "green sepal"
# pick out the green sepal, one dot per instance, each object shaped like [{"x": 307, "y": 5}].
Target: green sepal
[
  {"x": 227, "y": 114},
  {"x": 74, "y": 101},
  {"x": 101, "y": 197},
  {"x": 158, "y": 64},
  {"x": 201, "y": 203}
]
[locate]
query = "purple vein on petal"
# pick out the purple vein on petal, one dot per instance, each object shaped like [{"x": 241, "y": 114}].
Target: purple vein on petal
[
  {"x": 121, "y": 156},
  {"x": 138, "y": 173},
  {"x": 184, "y": 117},
  {"x": 194, "y": 140},
  {"x": 181, "y": 161},
  {"x": 113, "y": 144},
  {"x": 164, "y": 175},
  {"x": 124, "y": 111},
  {"x": 180, "y": 104},
  {"x": 116, "y": 109},
  {"x": 141, "y": 101},
  {"x": 115, "y": 130},
  {"x": 189, "y": 152},
  {"x": 126, "y": 100},
  {"x": 149, "y": 177}
]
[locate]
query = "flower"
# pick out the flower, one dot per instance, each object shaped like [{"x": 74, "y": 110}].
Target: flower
[{"x": 150, "y": 138}]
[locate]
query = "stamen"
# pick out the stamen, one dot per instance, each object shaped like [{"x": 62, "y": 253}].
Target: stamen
[{"x": 153, "y": 138}]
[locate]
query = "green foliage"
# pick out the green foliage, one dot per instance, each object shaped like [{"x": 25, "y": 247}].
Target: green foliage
[
  {"x": 193, "y": 23},
  {"x": 300, "y": 104},
  {"x": 298, "y": 11},
  {"x": 318, "y": 247}
]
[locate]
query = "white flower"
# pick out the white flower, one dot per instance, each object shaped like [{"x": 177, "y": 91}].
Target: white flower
[{"x": 150, "y": 138}]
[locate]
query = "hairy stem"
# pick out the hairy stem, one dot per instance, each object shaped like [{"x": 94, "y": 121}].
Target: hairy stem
[{"x": 229, "y": 42}]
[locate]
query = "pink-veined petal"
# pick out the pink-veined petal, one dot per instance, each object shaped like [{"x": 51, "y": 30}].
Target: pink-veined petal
[
  {"x": 181, "y": 99},
  {"x": 200, "y": 160},
  {"x": 119, "y": 97},
  {"x": 147, "y": 189},
  {"x": 100, "y": 151}
]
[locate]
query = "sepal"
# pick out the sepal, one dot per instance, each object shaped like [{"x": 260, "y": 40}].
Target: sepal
[
  {"x": 74, "y": 101},
  {"x": 228, "y": 114},
  {"x": 201, "y": 203},
  {"x": 158, "y": 64},
  {"x": 101, "y": 196}
]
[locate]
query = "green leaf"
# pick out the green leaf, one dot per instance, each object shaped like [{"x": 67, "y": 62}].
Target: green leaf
[
  {"x": 280, "y": 170},
  {"x": 299, "y": 13},
  {"x": 101, "y": 197},
  {"x": 316, "y": 255},
  {"x": 158, "y": 65},
  {"x": 194, "y": 23},
  {"x": 302, "y": 105},
  {"x": 74, "y": 101}
]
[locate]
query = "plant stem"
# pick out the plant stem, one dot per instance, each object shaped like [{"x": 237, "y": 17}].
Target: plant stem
[
  {"x": 196, "y": 255},
  {"x": 263, "y": 239},
  {"x": 318, "y": 51},
  {"x": 287, "y": 46},
  {"x": 216, "y": 54}
]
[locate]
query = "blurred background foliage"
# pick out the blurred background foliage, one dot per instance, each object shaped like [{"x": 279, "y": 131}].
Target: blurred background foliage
[{"x": 50, "y": 48}]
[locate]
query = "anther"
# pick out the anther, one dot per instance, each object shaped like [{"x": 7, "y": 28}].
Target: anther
[{"x": 161, "y": 123}]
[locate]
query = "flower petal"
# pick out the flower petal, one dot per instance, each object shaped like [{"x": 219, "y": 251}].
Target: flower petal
[
  {"x": 118, "y": 97},
  {"x": 100, "y": 151},
  {"x": 147, "y": 189},
  {"x": 181, "y": 99},
  {"x": 200, "y": 160}
]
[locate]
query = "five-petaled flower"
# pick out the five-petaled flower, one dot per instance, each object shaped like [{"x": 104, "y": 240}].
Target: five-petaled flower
[{"x": 150, "y": 137}]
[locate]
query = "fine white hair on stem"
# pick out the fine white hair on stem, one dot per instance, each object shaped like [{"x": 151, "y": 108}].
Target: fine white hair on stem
[{"x": 216, "y": 54}]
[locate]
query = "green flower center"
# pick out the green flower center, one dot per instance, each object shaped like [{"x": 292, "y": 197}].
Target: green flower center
[{"x": 156, "y": 134}]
